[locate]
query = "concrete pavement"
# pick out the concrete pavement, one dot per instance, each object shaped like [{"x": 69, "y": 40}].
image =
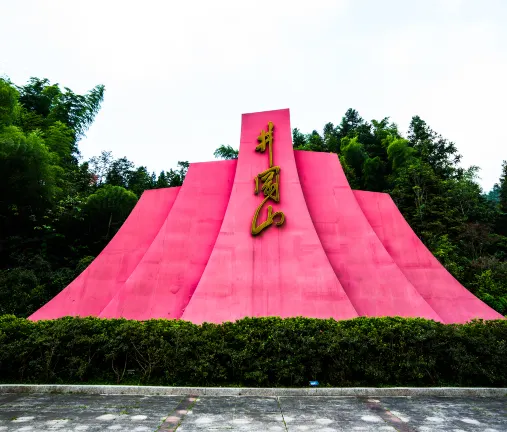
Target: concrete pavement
[{"x": 140, "y": 413}]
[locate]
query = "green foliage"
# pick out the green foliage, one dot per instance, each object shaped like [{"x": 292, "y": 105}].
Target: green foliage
[
  {"x": 119, "y": 172},
  {"x": 494, "y": 194},
  {"x": 226, "y": 152},
  {"x": 502, "y": 200},
  {"x": 432, "y": 148},
  {"x": 60, "y": 140},
  {"x": 489, "y": 276},
  {"x": 491, "y": 291},
  {"x": 447, "y": 253},
  {"x": 24, "y": 289},
  {"x": 298, "y": 139},
  {"x": 48, "y": 101},
  {"x": 8, "y": 102},
  {"x": 83, "y": 263},
  {"x": 56, "y": 211},
  {"x": 111, "y": 199},
  {"x": 350, "y": 124},
  {"x": 256, "y": 352},
  {"x": 100, "y": 166},
  {"x": 373, "y": 174},
  {"x": 31, "y": 174},
  {"x": 354, "y": 154},
  {"x": 399, "y": 152},
  {"x": 502, "y": 193},
  {"x": 18, "y": 288},
  {"x": 109, "y": 207}
]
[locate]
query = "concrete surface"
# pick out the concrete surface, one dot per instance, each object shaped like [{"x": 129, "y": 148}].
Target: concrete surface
[
  {"x": 251, "y": 391},
  {"x": 80, "y": 412}
]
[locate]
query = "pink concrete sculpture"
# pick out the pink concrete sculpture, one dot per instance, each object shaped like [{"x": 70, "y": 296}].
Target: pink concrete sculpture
[
  {"x": 275, "y": 233},
  {"x": 93, "y": 289},
  {"x": 165, "y": 279},
  {"x": 372, "y": 280},
  {"x": 451, "y": 300},
  {"x": 284, "y": 271}
]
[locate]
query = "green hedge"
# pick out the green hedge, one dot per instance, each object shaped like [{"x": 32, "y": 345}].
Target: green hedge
[{"x": 254, "y": 352}]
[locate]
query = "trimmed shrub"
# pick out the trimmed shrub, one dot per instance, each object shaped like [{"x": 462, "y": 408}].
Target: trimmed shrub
[{"x": 254, "y": 352}]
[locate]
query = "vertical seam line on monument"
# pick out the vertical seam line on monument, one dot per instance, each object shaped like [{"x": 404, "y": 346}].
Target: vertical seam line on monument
[
  {"x": 409, "y": 282},
  {"x": 381, "y": 218},
  {"x": 194, "y": 288},
  {"x": 279, "y": 302},
  {"x": 315, "y": 230},
  {"x": 215, "y": 242},
  {"x": 146, "y": 251}
]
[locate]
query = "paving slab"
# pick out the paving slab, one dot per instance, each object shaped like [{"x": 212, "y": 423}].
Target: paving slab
[
  {"x": 450, "y": 414},
  {"x": 234, "y": 413},
  {"x": 331, "y": 414},
  {"x": 130, "y": 413},
  {"x": 65, "y": 412}
]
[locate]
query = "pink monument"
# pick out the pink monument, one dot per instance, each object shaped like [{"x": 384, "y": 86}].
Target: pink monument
[{"x": 276, "y": 233}]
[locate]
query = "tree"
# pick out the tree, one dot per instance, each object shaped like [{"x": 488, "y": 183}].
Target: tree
[
  {"x": 491, "y": 291},
  {"x": 225, "y": 152},
  {"x": 101, "y": 165},
  {"x": 399, "y": 152},
  {"x": 140, "y": 180},
  {"x": 373, "y": 174},
  {"x": 31, "y": 178},
  {"x": 354, "y": 154},
  {"x": 42, "y": 189},
  {"x": 8, "y": 102},
  {"x": 17, "y": 288},
  {"x": 48, "y": 101},
  {"x": 108, "y": 208},
  {"x": 349, "y": 124},
  {"x": 162, "y": 181},
  {"x": 433, "y": 149},
  {"x": 502, "y": 201},
  {"x": 120, "y": 172},
  {"x": 502, "y": 193},
  {"x": 176, "y": 177},
  {"x": 60, "y": 140},
  {"x": 425, "y": 201},
  {"x": 494, "y": 194},
  {"x": 298, "y": 139},
  {"x": 331, "y": 138}
]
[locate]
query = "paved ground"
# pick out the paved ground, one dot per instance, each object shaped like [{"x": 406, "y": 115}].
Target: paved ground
[{"x": 73, "y": 412}]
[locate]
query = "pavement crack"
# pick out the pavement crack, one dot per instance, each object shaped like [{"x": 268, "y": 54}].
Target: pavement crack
[{"x": 281, "y": 412}]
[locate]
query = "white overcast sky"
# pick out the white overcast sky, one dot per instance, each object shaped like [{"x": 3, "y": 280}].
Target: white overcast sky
[{"x": 178, "y": 74}]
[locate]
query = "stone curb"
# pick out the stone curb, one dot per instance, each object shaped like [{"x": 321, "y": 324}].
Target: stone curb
[{"x": 237, "y": 391}]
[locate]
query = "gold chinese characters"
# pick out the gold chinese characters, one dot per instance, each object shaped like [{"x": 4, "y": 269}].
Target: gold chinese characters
[{"x": 269, "y": 183}]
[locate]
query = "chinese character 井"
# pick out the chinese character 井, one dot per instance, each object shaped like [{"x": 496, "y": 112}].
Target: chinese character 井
[{"x": 266, "y": 139}]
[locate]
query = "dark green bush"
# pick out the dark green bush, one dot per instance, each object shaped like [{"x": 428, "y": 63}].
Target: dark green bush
[{"x": 254, "y": 352}]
